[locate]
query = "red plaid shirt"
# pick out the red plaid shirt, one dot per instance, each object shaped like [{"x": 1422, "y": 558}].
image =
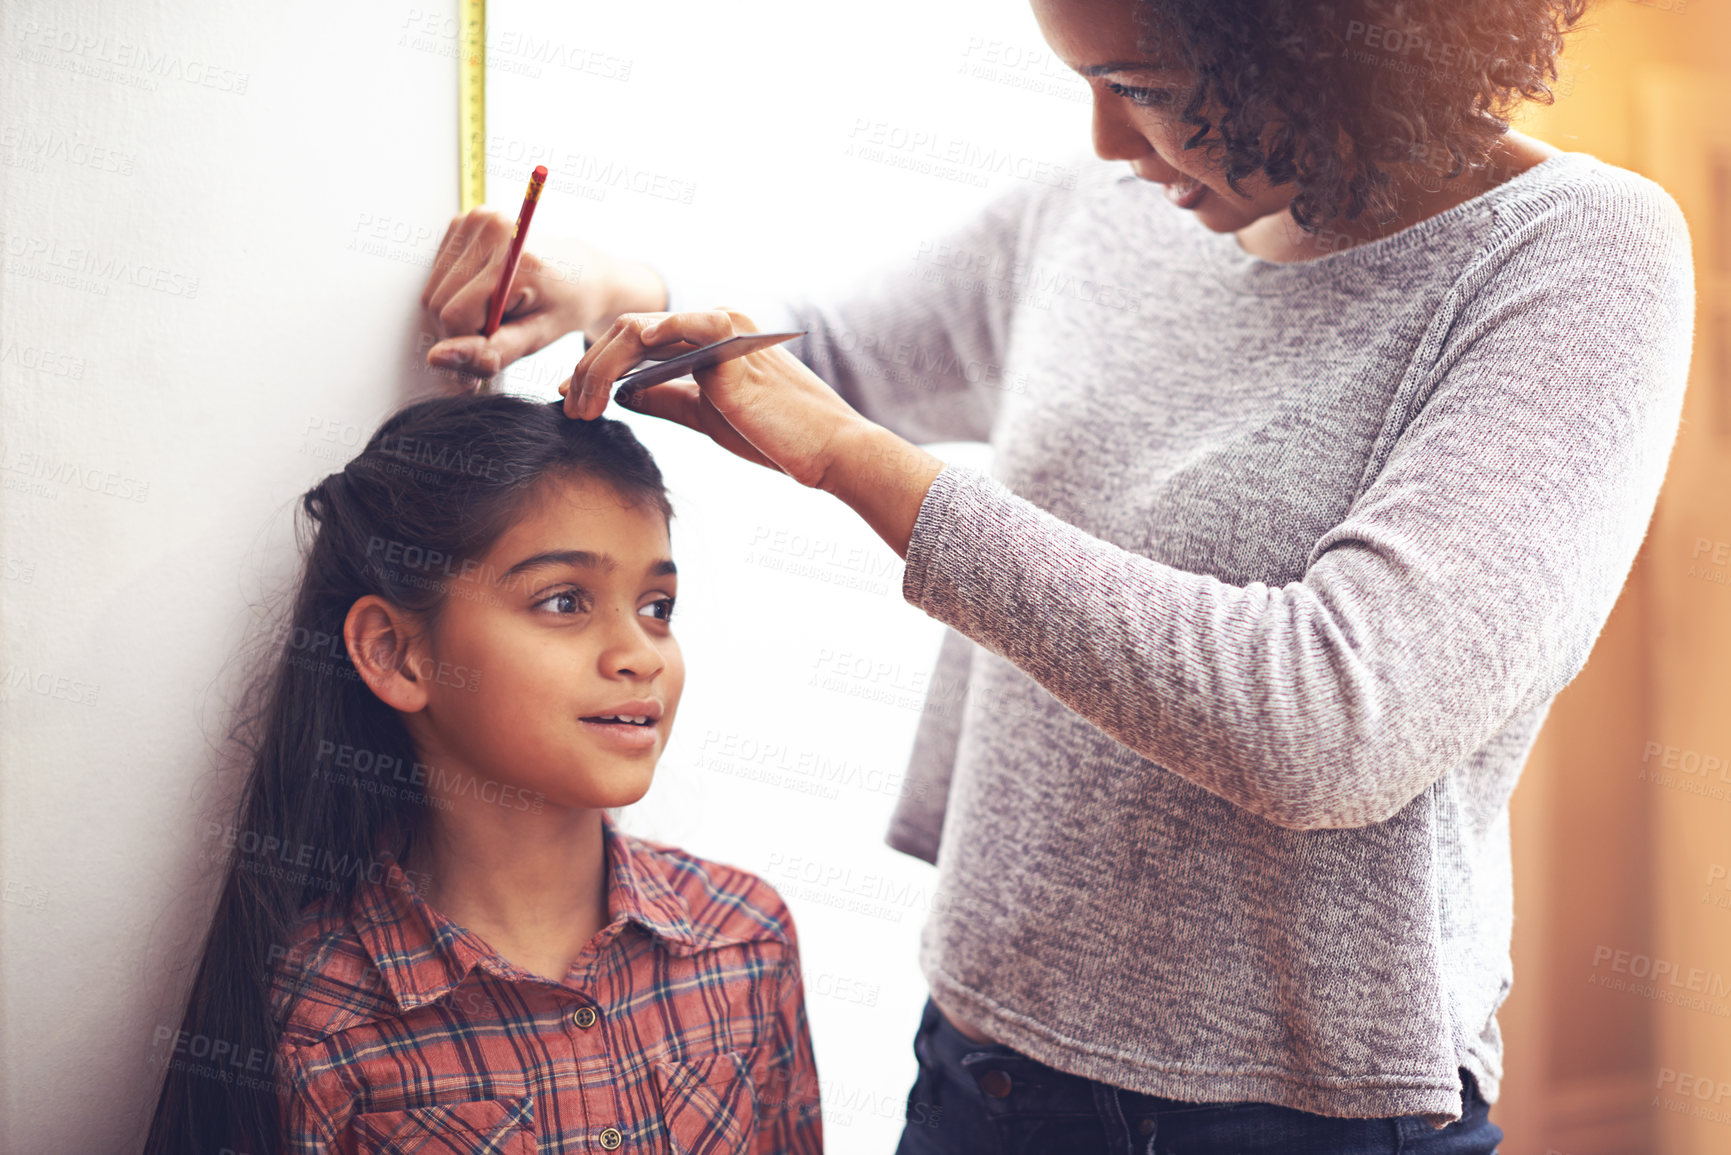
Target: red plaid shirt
[{"x": 680, "y": 1028}]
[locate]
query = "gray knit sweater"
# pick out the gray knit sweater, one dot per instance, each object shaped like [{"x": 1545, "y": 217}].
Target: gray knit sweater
[{"x": 1275, "y": 574}]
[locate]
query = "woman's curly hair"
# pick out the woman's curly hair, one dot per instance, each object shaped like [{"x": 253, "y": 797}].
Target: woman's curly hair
[{"x": 1345, "y": 90}]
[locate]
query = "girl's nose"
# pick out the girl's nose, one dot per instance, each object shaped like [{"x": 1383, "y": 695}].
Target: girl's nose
[{"x": 630, "y": 649}]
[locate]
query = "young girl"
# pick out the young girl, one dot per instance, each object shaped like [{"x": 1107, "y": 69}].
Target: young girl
[{"x": 432, "y": 935}]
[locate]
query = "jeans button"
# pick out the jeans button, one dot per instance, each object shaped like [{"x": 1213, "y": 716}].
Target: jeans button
[
  {"x": 1145, "y": 1125},
  {"x": 995, "y": 1083}
]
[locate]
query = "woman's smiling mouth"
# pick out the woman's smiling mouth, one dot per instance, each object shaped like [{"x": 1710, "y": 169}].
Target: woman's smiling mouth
[
  {"x": 1186, "y": 192},
  {"x": 1186, "y": 195}
]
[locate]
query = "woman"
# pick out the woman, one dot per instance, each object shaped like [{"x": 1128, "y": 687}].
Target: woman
[{"x": 1316, "y": 475}]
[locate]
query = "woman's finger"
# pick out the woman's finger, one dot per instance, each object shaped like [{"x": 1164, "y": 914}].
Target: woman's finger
[
  {"x": 466, "y": 310},
  {"x": 472, "y": 272},
  {"x": 526, "y": 293},
  {"x": 435, "y": 274},
  {"x": 766, "y": 406},
  {"x": 694, "y": 328},
  {"x": 489, "y": 355},
  {"x": 610, "y": 358},
  {"x": 654, "y": 353},
  {"x": 683, "y": 403},
  {"x": 441, "y": 260},
  {"x": 450, "y": 255}
]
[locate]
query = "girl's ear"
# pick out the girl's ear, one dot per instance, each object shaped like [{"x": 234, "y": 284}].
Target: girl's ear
[{"x": 381, "y": 642}]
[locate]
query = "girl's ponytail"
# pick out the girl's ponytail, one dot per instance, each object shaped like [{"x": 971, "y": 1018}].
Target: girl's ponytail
[{"x": 319, "y": 501}]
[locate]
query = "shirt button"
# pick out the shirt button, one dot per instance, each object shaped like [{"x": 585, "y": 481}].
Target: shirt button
[
  {"x": 610, "y": 1138},
  {"x": 584, "y": 1017},
  {"x": 995, "y": 1083}
]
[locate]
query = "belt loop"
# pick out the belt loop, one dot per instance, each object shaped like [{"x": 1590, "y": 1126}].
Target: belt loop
[{"x": 1112, "y": 1120}]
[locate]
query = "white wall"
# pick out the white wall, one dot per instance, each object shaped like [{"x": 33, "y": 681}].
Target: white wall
[{"x": 217, "y": 219}]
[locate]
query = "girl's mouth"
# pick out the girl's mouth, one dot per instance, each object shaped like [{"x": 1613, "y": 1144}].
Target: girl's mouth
[{"x": 633, "y": 736}]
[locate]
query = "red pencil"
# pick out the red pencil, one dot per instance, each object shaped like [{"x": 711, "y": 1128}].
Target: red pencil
[{"x": 496, "y": 303}]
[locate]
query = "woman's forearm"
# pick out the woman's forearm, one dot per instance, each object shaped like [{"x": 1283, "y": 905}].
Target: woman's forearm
[{"x": 884, "y": 478}]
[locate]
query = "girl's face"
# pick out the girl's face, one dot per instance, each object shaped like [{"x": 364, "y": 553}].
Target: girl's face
[
  {"x": 1137, "y": 106},
  {"x": 563, "y": 622}
]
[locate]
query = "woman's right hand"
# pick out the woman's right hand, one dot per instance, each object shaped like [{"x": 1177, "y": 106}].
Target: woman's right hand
[{"x": 564, "y": 286}]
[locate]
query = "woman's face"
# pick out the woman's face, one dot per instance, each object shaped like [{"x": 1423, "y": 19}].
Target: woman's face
[
  {"x": 564, "y": 620},
  {"x": 1137, "y": 103}
]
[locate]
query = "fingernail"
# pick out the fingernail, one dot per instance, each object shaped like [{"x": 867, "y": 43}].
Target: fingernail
[
  {"x": 650, "y": 330},
  {"x": 454, "y": 356}
]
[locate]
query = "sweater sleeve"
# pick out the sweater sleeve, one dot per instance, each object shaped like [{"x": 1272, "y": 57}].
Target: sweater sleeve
[
  {"x": 1465, "y": 585},
  {"x": 917, "y": 344}
]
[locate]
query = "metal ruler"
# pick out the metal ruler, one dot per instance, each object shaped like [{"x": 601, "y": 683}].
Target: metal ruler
[{"x": 472, "y": 103}]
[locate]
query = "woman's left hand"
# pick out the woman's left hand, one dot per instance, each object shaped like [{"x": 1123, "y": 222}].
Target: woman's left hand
[{"x": 766, "y": 406}]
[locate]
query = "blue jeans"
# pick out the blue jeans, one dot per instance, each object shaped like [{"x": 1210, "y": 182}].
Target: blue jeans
[{"x": 988, "y": 1099}]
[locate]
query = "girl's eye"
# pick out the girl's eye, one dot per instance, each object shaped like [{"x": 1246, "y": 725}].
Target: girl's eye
[
  {"x": 1147, "y": 97},
  {"x": 663, "y": 608},
  {"x": 568, "y": 601}
]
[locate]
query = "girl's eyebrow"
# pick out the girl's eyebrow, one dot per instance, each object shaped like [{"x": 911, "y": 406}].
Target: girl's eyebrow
[{"x": 583, "y": 559}]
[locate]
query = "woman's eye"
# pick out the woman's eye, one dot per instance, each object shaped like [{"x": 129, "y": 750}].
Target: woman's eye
[
  {"x": 663, "y": 608},
  {"x": 566, "y": 602},
  {"x": 1143, "y": 96}
]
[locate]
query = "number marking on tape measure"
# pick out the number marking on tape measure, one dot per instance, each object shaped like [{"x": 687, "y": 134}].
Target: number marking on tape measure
[{"x": 472, "y": 104}]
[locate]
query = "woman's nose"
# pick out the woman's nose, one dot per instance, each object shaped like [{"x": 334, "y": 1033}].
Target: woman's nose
[{"x": 1117, "y": 138}]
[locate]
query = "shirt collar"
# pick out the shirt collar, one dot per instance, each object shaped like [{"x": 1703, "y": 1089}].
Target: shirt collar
[{"x": 421, "y": 954}]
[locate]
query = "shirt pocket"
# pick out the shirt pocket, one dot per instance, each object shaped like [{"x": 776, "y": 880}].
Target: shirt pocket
[
  {"x": 477, "y": 1127},
  {"x": 708, "y": 1105}
]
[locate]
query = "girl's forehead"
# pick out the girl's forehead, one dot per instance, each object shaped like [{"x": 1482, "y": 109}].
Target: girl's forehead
[
  {"x": 561, "y": 498},
  {"x": 587, "y": 516}
]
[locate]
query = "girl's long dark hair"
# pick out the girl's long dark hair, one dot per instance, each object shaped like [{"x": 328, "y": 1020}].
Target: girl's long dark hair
[{"x": 435, "y": 486}]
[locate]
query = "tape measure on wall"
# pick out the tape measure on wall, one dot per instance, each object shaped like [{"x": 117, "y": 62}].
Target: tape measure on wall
[{"x": 472, "y": 103}]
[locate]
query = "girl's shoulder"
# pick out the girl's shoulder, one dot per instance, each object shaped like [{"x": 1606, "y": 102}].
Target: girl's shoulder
[
  {"x": 324, "y": 963},
  {"x": 723, "y": 902}
]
